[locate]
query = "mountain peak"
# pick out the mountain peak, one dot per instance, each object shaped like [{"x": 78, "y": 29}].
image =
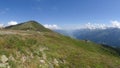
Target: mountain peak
[
  {"x": 29, "y": 25},
  {"x": 32, "y": 21}
]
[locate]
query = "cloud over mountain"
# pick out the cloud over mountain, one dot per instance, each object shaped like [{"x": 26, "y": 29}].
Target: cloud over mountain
[
  {"x": 95, "y": 26},
  {"x": 53, "y": 26},
  {"x": 1, "y": 25},
  {"x": 12, "y": 23},
  {"x": 115, "y": 24}
]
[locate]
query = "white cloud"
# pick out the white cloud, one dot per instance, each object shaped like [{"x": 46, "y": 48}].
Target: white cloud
[
  {"x": 12, "y": 23},
  {"x": 1, "y": 25},
  {"x": 54, "y": 26},
  {"x": 95, "y": 26},
  {"x": 115, "y": 24}
]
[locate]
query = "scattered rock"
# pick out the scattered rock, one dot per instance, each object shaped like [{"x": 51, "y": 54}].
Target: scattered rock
[
  {"x": 23, "y": 59},
  {"x": 56, "y": 62},
  {"x": 3, "y": 65},
  {"x": 42, "y": 61},
  {"x": 42, "y": 49},
  {"x": 4, "y": 59}
]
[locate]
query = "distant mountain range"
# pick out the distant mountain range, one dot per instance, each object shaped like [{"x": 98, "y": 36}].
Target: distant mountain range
[{"x": 108, "y": 36}]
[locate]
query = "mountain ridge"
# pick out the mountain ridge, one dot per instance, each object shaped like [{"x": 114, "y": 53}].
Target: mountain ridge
[{"x": 29, "y": 25}]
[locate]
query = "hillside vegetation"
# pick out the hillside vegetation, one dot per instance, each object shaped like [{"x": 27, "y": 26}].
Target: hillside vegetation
[
  {"x": 29, "y": 25},
  {"x": 21, "y": 48}
]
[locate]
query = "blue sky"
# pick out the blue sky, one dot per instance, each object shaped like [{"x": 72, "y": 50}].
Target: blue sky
[{"x": 64, "y": 13}]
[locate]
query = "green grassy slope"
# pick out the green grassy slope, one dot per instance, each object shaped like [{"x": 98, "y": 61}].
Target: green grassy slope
[
  {"x": 29, "y": 25},
  {"x": 36, "y": 49}
]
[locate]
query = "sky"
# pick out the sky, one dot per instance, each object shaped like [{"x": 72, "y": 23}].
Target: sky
[{"x": 67, "y": 14}]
